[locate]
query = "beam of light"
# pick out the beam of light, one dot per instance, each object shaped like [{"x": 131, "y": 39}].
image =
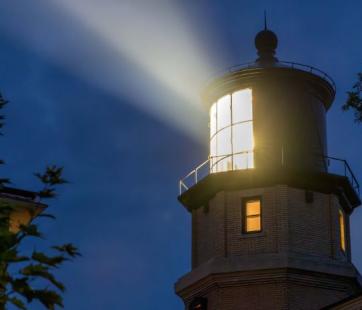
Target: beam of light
[
  {"x": 143, "y": 49},
  {"x": 152, "y": 36}
]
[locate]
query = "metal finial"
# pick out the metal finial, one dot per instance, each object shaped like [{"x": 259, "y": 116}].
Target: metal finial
[
  {"x": 265, "y": 24},
  {"x": 266, "y": 42}
]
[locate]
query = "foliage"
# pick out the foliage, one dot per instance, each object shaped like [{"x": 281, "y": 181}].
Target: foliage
[
  {"x": 354, "y": 99},
  {"x": 3, "y": 102},
  {"x": 25, "y": 277}
]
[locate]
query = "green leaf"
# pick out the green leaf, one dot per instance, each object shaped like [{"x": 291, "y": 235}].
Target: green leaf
[
  {"x": 31, "y": 230},
  {"x": 42, "y": 272},
  {"x": 47, "y": 193},
  {"x": 11, "y": 256},
  {"x": 48, "y": 298},
  {"x": 2, "y": 103},
  {"x": 3, "y": 300},
  {"x": 68, "y": 249},
  {"x": 354, "y": 100},
  {"x": 52, "y": 261},
  {"x": 18, "y": 303},
  {"x": 7, "y": 239},
  {"x": 51, "y": 176},
  {"x": 22, "y": 287}
]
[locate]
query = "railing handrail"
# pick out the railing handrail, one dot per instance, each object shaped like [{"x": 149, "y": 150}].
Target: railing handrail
[
  {"x": 312, "y": 69},
  {"x": 346, "y": 164},
  {"x": 195, "y": 172},
  {"x": 226, "y": 156},
  {"x": 289, "y": 64}
]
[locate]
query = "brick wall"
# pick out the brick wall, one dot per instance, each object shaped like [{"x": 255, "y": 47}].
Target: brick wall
[
  {"x": 290, "y": 224},
  {"x": 273, "y": 290},
  {"x": 294, "y": 232}
]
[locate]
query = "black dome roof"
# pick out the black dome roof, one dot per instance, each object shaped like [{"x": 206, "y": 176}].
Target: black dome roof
[
  {"x": 266, "y": 39},
  {"x": 266, "y": 42}
]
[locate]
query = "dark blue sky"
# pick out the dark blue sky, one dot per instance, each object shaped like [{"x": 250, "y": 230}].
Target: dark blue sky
[{"x": 78, "y": 102}]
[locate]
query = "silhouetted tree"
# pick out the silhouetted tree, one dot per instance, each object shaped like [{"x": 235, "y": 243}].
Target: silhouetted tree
[
  {"x": 354, "y": 99},
  {"x": 25, "y": 277}
]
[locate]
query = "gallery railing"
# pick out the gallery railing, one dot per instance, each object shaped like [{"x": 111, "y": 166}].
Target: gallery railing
[
  {"x": 208, "y": 166},
  {"x": 333, "y": 165},
  {"x": 286, "y": 64},
  {"x": 341, "y": 167}
]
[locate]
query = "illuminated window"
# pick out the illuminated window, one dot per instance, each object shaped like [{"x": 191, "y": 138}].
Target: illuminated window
[
  {"x": 231, "y": 132},
  {"x": 252, "y": 215},
  {"x": 342, "y": 230}
]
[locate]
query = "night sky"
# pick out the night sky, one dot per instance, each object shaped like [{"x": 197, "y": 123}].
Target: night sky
[{"x": 111, "y": 92}]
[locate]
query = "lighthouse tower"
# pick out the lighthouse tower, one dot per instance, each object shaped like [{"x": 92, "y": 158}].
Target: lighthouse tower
[{"x": 270, "y": 208}]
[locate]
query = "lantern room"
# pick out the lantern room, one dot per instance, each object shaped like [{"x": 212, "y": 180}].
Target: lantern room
[
  {"x": 261, "y": 115},
  {"x": 268, "y": 116}
]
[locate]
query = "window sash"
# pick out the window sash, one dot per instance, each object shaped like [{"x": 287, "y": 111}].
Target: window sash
[{"x": 253, "y": 224}]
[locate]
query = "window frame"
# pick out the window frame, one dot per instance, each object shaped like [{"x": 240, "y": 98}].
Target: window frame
[{"x": 244, "y": 217}]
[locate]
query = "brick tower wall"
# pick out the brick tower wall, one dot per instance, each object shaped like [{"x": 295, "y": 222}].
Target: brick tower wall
[{"x": 295, "y": 262}]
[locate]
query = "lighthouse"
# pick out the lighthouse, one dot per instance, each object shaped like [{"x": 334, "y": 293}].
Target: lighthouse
[{"x": 270, "y": 207}]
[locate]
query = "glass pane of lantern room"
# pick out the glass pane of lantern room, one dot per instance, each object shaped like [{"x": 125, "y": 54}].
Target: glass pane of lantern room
[
  {"x": 223, "y": 150},
  {"x": 213, "y": 120},
  {"x": 243, "y": 140},
  {"x": 223, "y": 112},
  {"x": 224, "y": 164},
  {"x": 242, "y": 106},
  {"x": 213, "y": 154},
  {"x": 243, "y": 161},
  {"x": 224, "y": 142}
]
